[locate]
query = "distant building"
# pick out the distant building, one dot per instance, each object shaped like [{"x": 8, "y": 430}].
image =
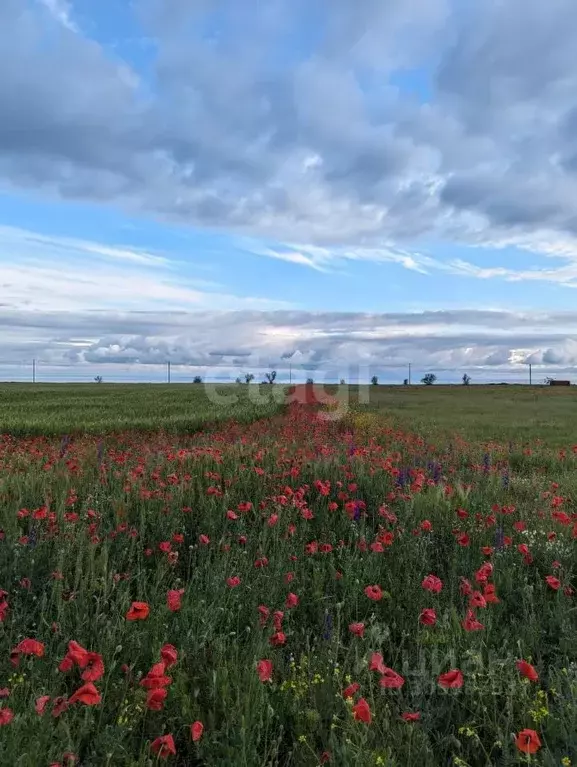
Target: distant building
[{"x": 553, "y": 382}]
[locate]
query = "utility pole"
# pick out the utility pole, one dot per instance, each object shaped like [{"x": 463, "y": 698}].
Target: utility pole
[
  {"x": 409, "y": 373},
  {"x": 33, "y": 371},
  {"x": 290, "y": 372},
  {"x": 168, "y": 371},
  {"x": 530, "y": 374}
]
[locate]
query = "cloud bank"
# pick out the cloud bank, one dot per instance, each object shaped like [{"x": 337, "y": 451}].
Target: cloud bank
[{"x": 326, "y": 123}]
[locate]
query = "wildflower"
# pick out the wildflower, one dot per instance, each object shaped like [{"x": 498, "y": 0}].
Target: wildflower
[
  {"x": 155, "y": 698},
  {"x": 374, "y": 592},
  {"x": 169, "y": 655},
  {"x": 156, "y": 677},
  {"x": 432, "y": 583},
  {"x": 351, "y": 690},
  {"x": 451, "y": 679},
  {"x": 391, "y": 680},
  {"x": 6, "y": 716},
  {"x": 409, "y": 716},
  {"x": 528, "y": 741},
  {"x": 41, "y": 703},
  {"x": 428, "y": 617},
  {"x": 376, "y": 663},
  {"x": 174, "y": 599},
  {"x": 471, "y": 623},
  {"x": 264, "y": 670},
  {"x": 527, "y": 670},
  {"x": 26, "y": 647},
  {"x": 553, "y": 583},
  {"x": 277, "y": 639},
  {"x": 87, "y": 694},
  {"x": 477, "y": 600},
  {"x": 196, "y": 730},
  {"x": 362, "y": 712},
  {"x": 233, "y": 581},
  {"x": 138, "y": 611},
  {"x": 292, "y": 600},
  {"x": 358, "y": 629},
  {"x": 490, "y": 595},
  {"x": 163, "y": 746}
]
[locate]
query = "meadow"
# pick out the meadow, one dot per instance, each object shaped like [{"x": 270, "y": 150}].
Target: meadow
[{"x": 259, "y": 583}]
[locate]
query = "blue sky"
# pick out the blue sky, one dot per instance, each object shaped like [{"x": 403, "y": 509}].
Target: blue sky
[{"x": 300, "y": 158}]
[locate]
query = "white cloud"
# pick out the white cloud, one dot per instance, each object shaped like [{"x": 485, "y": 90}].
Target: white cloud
[
  {"x": 488, "y": 345},
  {"x": 46, "y": 273},
  {"x": 61, "y": 10}
]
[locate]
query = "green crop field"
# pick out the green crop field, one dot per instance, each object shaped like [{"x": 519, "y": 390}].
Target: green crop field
[
  {"x": 59, "y": 409},
  {"x": 263, "y": 583}
]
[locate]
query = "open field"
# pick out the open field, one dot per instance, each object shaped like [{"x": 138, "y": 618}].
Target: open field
[
  {"x": 381, "y": 589},
  {"x": 501, "y": 413},
  {"x": 60, "y": 409},
  {"x": 505, "y": 413}
]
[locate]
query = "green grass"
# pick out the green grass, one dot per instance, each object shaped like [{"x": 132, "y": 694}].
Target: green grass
[
  {"x": 56, "y": 409},
  {"x": 521, "y": 414}
]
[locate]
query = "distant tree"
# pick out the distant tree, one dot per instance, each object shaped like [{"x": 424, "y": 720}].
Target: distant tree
[
  {"x": 197, "y": 379},
  {"x": 248, "y": 377},
  {"x": 406, "y": 382},
  {"x": 98, "y": 379},
  {"x": 238, "y": 380},
  {"x": 343, "y": 382},
  {"x": 547, "y": 381},
  {"x": 270, "y": 377},
  {"x": 429, "y": 379},
  {"x": 466, "y": 379},
  {"x": 374, "y": 380},
  {"x": 310, "y": 381}
]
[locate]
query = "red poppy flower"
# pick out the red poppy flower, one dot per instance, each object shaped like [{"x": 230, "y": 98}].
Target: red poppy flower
[
  {"x": 232, "y": 582},
  {"x": 374, "y": 592},
  {"x": 391, "y": 680},
  {"x": 490, "y": 595},
  {"x": 169, "y": 655},
  {"x": 174, "y": 599},
  {"x": 432, "y": 583},
  {"x": 264, "y": 670},
  {"x": 358, "y": 629},
  {"x": 527, "y": 670},
  {"x": 138, "y": 611},
  {"x": 156, "y": 677},
  {"x": 471, "y": 623},
  {"x": 87, "y": 694},
  {"x": 451, "y": 679},
  {"x": 41, "y": 703},
  {"x": 60, "y": 705},
  {"x": 278, "y": 639},
  {"x": 477, "y": 600},
  {"x": 553, "y": 583},
  {"x": 409, "y": 716},
  {"x": 163, "y": 746},
  {"x": 93, "y": 666},
  {"x": 26, "y": 647},
  {"x": 428, "y": 617},
  {"x": 6, "y": 716},
  {"x": 292, "y": 600},
  {"x": 196, "y": 730},
  {"x": 528, "y": 742},
  {"x": 351, "y": 690},
  {"x": 362, "y": 712},
  {"x": 155, "y": 698},
  {"x": 376, "y": 663}
]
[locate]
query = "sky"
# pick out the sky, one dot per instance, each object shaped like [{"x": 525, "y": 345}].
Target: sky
[{"x": 328, "y": 188}]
